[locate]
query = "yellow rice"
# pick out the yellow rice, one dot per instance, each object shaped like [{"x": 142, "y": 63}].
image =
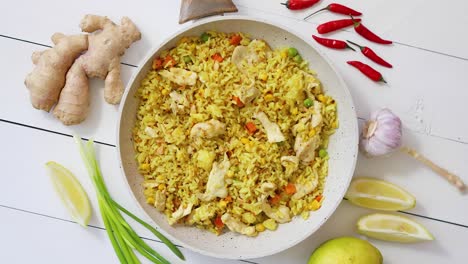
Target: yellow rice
[{"x": 169, "y": 160}]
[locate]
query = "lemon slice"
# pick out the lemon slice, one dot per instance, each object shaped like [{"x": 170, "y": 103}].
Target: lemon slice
[
  {"x": 394, "y": 228},
  {"x": 379, "y": 195},
  {"x": 71, "y": 193}
]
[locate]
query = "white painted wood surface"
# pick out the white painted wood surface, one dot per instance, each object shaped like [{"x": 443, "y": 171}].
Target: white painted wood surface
[{"x": 427, "y": 88}]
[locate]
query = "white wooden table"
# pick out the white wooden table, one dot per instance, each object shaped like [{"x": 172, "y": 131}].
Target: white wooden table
[{"x": 427, "y": 88}]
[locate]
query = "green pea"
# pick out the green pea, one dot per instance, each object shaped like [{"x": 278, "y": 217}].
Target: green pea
[
  {"x": 298, "y": 58},
  {"x": 292, "y": 52},
  {"x": 205, "y": 37},
  {"x": 308, "y": 102},
  {"x": 323, "y": 153},
  {"x": 187, "y": 59}
]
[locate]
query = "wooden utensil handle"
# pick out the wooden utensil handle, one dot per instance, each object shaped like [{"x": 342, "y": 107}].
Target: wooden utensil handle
[{"x": 452, "y": 178}]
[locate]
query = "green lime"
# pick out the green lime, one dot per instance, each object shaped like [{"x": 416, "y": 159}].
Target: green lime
[{"x": 346, "y": 250}]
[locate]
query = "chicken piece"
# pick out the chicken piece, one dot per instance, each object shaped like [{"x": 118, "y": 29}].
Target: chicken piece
[
  {"x": 237, "y": 226},
  {"x": 209, "y": 129},
  {"x": 178, "y": 102},
  {"x": 151, "y": 132},
  {"x": 180, "y": 76},
  {"x": 180, "y": 213},
  {"x": 317, "y": 116},
  {"x": 302, "y": 125},
  {"x": 305, "y": 151},
  {"x": 280, "y": 214},
  {"x": 273, "y": 131},
  {"x": 304, "y": 189},
  {"x": 216, "y": 187},
  {"x": 248, "y": 95},
  {"x": 290, "y": 163},
  {"x": 295, "y": 87},
  {"x": 242, "y": 53},
  {"x": 160, "y": 201},
  {"x": 267, "y": 187}
]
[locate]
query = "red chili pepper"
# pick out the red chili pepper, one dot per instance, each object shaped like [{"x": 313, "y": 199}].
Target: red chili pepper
[
  {"x": 299, "y": 4},
  {"x": 372, "y": 55},
  {"x": 332, "y": 43},
  {"x": 335, "y": 25},
  {"x": 368, "y": 71},
  {"x": 337, "y": 8},
  {"x": 367, "y": 34}
]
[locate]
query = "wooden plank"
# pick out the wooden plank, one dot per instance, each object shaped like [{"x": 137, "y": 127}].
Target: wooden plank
[
  {"x": 47, "y": 240},
  {"x": 32, "y": 179},
  {"x": 73, "y": 244}
]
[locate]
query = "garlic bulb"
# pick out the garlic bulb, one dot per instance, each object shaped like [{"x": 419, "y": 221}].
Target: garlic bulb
[{"x": 381, "y": 134}]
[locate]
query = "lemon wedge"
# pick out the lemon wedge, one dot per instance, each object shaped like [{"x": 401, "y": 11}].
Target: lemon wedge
[
  {"x": 70, "y": 192},
  {"x": 395, "y": 228},
  {"x": 379, "y": 195}
]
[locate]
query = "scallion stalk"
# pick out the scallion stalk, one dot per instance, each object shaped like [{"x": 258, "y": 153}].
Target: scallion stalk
[{"x": 123, "y": 238}]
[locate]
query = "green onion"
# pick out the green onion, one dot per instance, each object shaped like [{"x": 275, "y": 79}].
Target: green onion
[
  {"x": 323, "y": 153},
  {"x": 187, "y": 59},
  {"x": 292, "y": 52},
  {"x": 308, "y": 102},
  {"x": 123, "y": 238},
  {"x": 205, "y": 37}
]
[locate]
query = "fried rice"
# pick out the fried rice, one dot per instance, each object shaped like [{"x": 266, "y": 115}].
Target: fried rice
[{"x": 232, "y": 135}]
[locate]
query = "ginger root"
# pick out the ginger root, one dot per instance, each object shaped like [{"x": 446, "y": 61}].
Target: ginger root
[
  {"x": 48, "y": 77},
  {"x": 105, "y": 44}
]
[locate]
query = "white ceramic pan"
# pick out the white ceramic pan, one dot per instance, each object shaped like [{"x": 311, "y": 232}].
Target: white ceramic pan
[{"x": 342, "y": 149}]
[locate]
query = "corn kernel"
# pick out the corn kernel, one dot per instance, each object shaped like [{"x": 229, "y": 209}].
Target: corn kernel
[
  {"x": 161, "y": 187},
  {"x": 260, "y": 227},
  {"x": 222, "y": 204},
  {"x": 145, "y": 167},
  {"x": 263, "y": 76},
  {"x": 294, "y": 111},
  {"x": 315, "y": 205},
  {"x": 305, "y": 215},
  {"x": 312, "y": 132},
  {"x": 270, "y": 224},
  {"x": 150, "y": 200},
  {"x": 284, "y": 54},
  {"x": 230, "y": 174},
  {"x": 335, "y": 124},
  {"x": 321, "y": 98},
  {"x": 165, "y": 92},
  {"x": 160, "y": 178},
  {"x": 245, "y": 140},
  {"x": 269, "y": 98},
  {"x": 183, "y": 40}
]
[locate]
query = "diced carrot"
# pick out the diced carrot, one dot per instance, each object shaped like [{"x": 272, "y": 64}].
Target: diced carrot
[
  {"x": 235, "y": 40},
  {"x": 218, "y": 222},
  {"x": 238, "y": 101},
  {"x": 319, "y": 198},
  {"x": 157, "y": 63},
  {"x": 169, "y": 61},
  {"x": 251, "y": 127},
  {"x": 228, "y": 198},
  {"x": 290, "y": 189},
  {"x": 275, "y": 199},
  {"x": 217, "y": 57}
]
